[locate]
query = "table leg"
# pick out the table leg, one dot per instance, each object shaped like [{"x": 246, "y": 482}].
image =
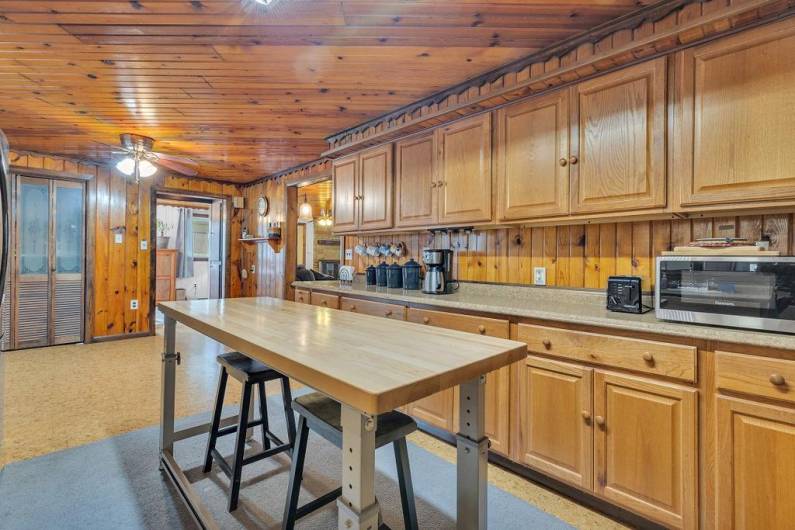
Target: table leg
[
  {"x": 358, "y": 509},
  {"x": 167, "y": 388},
  {"x": 472, "y": 462}
]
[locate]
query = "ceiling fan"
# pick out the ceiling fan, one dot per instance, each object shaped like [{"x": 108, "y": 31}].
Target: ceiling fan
[{"x": 142, "y": 162}]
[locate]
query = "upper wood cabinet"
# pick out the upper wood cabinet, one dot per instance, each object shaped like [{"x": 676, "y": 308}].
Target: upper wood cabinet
[
  {"x": 363, "y": 190},
  {"x": 464, "y": 170},
  {"x": 755, "y": 463},
  {"x": 735, "y": 119},
  {"x": 533, "y": 158},
  {"x": 618, "y": 140},
  {"x": 415, "y": 183},
  {"x": 345, "y": 174},
  {"x": 645, "y": 447}
]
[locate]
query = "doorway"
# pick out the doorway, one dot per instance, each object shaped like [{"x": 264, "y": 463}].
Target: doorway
[
  {"x": 191, "y": 241},
  {"x": 317, "y": 248}
]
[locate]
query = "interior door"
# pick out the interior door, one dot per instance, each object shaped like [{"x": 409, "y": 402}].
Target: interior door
[
  {"x": 215, "y": 250},
  {"x": 32, "y": 264},
  {"x": 67, "y": 262}
]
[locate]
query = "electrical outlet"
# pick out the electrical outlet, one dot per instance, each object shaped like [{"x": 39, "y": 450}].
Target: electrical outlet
[
  {"x": 144, "y": 244},
  {"x": 118, "y": 238},
  {"x": 539, "y": 275},
  {"x": 133, "y": 304},
  {"x": 348, "y": 254}
]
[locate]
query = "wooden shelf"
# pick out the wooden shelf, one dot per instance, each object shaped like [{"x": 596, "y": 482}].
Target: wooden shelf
[{"x": 259, "y": 239}]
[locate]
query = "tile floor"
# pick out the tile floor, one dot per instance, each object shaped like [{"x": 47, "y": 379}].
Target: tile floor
[{"x": 65, "y": 396}]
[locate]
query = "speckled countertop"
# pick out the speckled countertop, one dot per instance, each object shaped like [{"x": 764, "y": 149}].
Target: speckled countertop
[{"x": 559, "y": 305}]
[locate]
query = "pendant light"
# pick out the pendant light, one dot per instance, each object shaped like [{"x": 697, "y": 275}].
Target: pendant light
[{"x": 305, "y": 211}]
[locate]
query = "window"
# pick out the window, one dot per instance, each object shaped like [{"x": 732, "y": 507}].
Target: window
[{"x": 201, "y": 236}]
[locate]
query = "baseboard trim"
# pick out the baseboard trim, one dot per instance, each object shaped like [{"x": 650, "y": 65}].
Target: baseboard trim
[{"x": 120, "y": 336}]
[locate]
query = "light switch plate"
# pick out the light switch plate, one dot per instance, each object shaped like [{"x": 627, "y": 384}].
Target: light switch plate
[
  {"x": 118, "y": 238},
  {"x": 133, "y": 304},
  {"x": 144, "y": 244},
  {"x": 539, "y": 276},
  {"x": 348, "y": 254}
]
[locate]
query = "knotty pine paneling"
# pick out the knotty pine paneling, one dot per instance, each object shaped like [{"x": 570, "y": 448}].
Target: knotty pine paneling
[
  {"x": 581, "y": 256},
  {"x": 268, "y": 258},
  {"x": 121, "y": 271}
]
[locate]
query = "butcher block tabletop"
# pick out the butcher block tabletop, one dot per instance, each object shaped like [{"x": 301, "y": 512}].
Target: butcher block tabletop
[{"x": 370, "y": 363}]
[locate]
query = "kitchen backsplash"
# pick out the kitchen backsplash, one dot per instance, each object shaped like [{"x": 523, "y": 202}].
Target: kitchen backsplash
[{"x": 577, "y": 255}]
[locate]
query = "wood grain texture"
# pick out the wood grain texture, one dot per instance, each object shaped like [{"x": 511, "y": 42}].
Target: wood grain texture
[{"x": 370, "y": 363}]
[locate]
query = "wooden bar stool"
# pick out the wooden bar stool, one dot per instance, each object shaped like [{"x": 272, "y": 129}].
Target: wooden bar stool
[
  {"x": 322, "y": 414},
  {"x": 249, "y": 372}
]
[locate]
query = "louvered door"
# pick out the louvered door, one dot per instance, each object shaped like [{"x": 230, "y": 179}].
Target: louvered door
[{"x": 66, "y": 309}]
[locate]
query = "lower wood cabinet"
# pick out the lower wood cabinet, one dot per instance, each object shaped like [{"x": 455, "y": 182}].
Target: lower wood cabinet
[
  {"x": 378, "y": 309},
  {"x": 325, "y": 300},
  {"x": 552, "y": 432},
  {"x": 645, "y": 442},
  {"x": 302, "y": 296},
  {"x": 755, "y": 460}
]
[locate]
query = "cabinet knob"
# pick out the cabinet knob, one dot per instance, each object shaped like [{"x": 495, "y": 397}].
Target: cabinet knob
[
  {"x": 388, "y": 312},
  {"x": 777, "y": 379},
  {"x": 586, "y": 416},
  {"x": 600, "y": 421},
  {"x": 563, "y": 162},
  {"x": 648, "y": 357},
  {"x": 324, "y": 302},
  {"x": 573, "y": 159},
  {"x": 425, "y": 320},
  {"x": 353, "y": 308},
  {"x": 547, "y": 343},
  {"x": 482, "y": 329},
  {"x": 433, "y": 184}
]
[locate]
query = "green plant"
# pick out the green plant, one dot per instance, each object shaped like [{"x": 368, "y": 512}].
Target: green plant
[{"x": 162, "y": 226}]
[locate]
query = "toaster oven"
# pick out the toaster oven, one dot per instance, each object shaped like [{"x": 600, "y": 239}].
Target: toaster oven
[{"x": 742, "y": 292}]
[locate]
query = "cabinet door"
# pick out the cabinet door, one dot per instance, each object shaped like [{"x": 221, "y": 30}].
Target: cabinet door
[
  {"x": 735, "y": 119},
  {"x": 618, "y": 140},
  {"x": 415, "y": 183},
  {"x": 645, "y": 447},
  {"x": 346, "y": 202},
  {"x": 375, "y": 188},
  {"x": 436, "y": 409},
  {"x": 755, "y": 465},
  {"x": 464, "y": 162},
  {"x": 533, "y": 158},
  {"x": 552, "y": 428}
]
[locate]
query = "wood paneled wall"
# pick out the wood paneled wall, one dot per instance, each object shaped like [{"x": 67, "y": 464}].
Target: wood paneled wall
[
  {"x": 578, "y": 255},
  {"x": 267, "y": 257},
  {"x": 121, "y": 272}
]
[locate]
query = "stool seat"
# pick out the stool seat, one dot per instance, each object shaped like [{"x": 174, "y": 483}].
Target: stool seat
[
  {"x": 323, "y": 415},
  {"x": 246, "y": 369}
]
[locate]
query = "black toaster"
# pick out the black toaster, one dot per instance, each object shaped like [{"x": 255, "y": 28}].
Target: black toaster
[{"x": 624, "y": 294}]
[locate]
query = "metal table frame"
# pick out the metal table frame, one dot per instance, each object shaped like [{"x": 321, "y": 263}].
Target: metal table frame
[{"x": 358, "y": 508}]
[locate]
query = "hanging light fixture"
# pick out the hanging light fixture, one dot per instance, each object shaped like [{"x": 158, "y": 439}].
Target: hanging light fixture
[
  {"x": 135, "y": 165},
  {"x": 305, "y": 211}
]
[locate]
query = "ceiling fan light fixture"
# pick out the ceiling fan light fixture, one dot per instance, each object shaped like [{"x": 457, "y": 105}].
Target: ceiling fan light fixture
[
  {"x": 146, "y": 168},
  {"x": 265, "y": 2},
  {"x": 126, "y": 165}
]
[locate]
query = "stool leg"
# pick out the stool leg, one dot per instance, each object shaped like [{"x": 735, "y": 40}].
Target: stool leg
[
  {"x": 404, "y": 481},
  {"x": 219, "y": 405},
  {"x": 263, "y": 412},
  {"x": 296, "y": 474},
  {"x": 240, "y": 446},
  {"x": 287, "y": 396}
]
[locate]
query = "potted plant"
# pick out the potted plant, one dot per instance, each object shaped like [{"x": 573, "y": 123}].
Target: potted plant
[{"x": 162, "y": 239}]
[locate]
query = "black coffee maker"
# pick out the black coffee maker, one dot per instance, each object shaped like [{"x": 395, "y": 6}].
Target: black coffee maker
[{"x": 438, "y": 271}]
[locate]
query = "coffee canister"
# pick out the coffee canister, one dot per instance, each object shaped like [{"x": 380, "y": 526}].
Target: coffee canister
[
  {"x": 380, "y": 274},
  {"x": 411, "y": 275},
  {"x": 370, "y": 273},
  {"x": 394, "y": 276}
]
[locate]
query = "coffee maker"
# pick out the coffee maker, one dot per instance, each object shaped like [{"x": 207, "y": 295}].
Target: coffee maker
[{"x": 438, "y": 271}]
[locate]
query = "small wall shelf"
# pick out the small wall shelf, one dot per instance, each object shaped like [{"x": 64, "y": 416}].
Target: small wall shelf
[{"x": 259, "y": 239}]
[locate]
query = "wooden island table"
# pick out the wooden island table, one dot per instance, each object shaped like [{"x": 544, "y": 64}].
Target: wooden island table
[{"x": 370, "y": 365}]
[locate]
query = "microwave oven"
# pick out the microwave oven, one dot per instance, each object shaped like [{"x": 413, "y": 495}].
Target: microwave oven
[{"x": 741, "y": 292}]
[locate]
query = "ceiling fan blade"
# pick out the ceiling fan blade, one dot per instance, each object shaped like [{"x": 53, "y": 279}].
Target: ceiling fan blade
[{"x": 181, "y": 165}]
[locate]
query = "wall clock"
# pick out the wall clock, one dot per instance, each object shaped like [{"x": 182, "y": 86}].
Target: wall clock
[{"x": 262, "y": 206}]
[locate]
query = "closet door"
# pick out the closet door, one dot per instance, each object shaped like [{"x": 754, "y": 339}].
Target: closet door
[
  {"x": 68, "y": 260},
  {"x": 32, "y": 308}
]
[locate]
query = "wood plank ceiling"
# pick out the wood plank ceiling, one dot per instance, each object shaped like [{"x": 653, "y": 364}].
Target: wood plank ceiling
[{"x": 246, "y": 90}]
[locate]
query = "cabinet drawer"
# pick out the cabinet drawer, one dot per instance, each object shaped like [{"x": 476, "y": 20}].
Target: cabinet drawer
[
  {"x": 366, "y": 307},
  {"x": 492, "y": 327},
  {"x": 302, "y": 296},
  {"x": 331, "y": 301},
  {"x": 651, "y": 357},
  {"x": 760, "y": 376}
]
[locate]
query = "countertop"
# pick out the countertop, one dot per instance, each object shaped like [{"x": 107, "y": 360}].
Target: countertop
[{"x": 559, "y": 305}]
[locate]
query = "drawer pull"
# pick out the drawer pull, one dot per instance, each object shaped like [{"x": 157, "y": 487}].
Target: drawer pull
[
  {"x": 482, "y": 329},
  {"x": 586, "y": 416},
  {"x": 648, "y": 357},
  {"x": 353, "y": 308},
  {"x": 324, "y": 302},
  {"x": 388, "y": 312},
  {"x": 778, "y": 379},
  {"x": 547, "y": 343},
  {"x": 425, "y": 320},
  {"x": 600, "y": 421}
]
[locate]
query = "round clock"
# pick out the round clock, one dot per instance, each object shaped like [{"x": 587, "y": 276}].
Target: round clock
[{"x": 262, "y": 206}]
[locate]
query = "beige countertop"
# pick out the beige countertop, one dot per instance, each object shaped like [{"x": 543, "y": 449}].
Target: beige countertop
[{"x": 559, "y": 305}]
